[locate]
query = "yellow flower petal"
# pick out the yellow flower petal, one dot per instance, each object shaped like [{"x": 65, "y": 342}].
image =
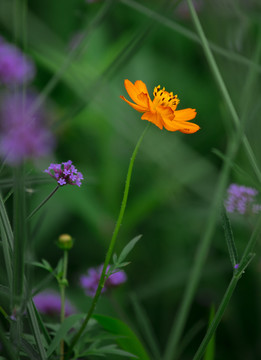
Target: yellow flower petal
[
  {"x": 183, "y": 126},
  {"x": 155, "y": 118},
  {"x": 136, "y": 107},
  {"x": 135, "y": 92},
  {"x": 186, "y": 114}
]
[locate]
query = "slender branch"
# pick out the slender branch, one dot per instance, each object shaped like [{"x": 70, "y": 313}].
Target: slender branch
[
  {"x": 43, "y": 202},
  {"x": 245, "y": 261},
  {"x": 111, "y": 246},
  {"x": 62, "y": 291}
]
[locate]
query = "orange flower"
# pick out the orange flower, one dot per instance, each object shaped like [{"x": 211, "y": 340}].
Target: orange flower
[{"x": 162, "y": 110}]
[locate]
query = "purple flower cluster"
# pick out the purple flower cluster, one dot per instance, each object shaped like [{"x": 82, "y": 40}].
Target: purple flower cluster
[
  {"x": 23, "y": 133},
  {"x": 65, "y": 173},
  {"x": 15, "y": 67},
  {"x": 90, "y": 281},
  {"x": 241, "y": 199},
  {"x": 49, "y": 303}
]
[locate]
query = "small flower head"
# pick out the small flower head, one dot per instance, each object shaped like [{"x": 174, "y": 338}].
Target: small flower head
[
  {"x": 241, "y": 199},
  {"x": 49, "y": 303},
  {"x": 65, "y": 173},
  {"x": 90, "y": 281},
  {"x": 15, "y": 67},
  {"x": 65, "y": 242},
  {"x": 162, "y": 110},
  {"x": 23, "y": 134}
]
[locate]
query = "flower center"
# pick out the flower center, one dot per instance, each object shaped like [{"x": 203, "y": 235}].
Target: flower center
[{"x": 164, "y": 98}]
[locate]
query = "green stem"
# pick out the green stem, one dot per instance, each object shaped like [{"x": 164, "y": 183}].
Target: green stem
[
  {"x": 202, "y": 251},
  {"x": 246, "y": 258},
  {"x": 20, "y": 237},
  {"x": 223, "y": 88},
  {"x": 7, "y": 345},
  {"x": 43, "y": 202},
  {"x": 62, "y": 292},
  {"x": 111, "y": 246},
  {"x": 218, "y": 317},
  {"x": 178, "y": 326}
]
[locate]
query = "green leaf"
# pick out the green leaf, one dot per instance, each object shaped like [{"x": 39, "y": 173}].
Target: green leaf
[
  {"x": 108, "y": 349},
  {"x": 44, "y": 265},
  {"x": 121, "y": 265},
  {"x": 129, "y": 341},
  {"x": 36, "y": 330},
  {"x": 7, "y": 240},
  {"x": 114, "y": 258},
  {"x": 4, "y": 290},
  {"x": 29, "y": 350},
  {"x": 47, "y": 265},
  {"x": 68, "y": 323},
  {"x": 146, "y": 328},
  {"x": 128, "y": 248},
  {"x": 229, "y": 239}
]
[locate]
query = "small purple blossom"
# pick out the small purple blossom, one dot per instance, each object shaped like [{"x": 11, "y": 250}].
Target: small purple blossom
[
  {"x": 15, "y": 67},
  {"x": 90, "y": 281},
  {"x": 23, "y": 133},
  {"x": 49, "y": 303},
  {"x": 236, "y": 266},
  {"x": 65, "y": 173},
  {"x": 241, "y": 199}
]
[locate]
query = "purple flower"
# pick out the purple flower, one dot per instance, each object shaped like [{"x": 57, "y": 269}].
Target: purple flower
[
  {"x": 49, "y": 303},
  {"x": 23, "y": 133},
  {"x": 90, "y": 281},
  {"x": 241, "y": 199},
  {"x": 65, "y": 173},
  {"x": 15, "y": 67}
]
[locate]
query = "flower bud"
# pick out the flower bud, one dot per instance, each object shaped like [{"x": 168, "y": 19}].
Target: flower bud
[{"x": 65, "y": 242}]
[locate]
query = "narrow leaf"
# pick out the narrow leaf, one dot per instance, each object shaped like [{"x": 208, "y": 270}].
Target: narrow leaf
[
  {"x": 5, "y": 223},
  {"x": 128, "y": 248},
  {"x": 229, "y": 239},
  {"x": 109, "y": 349},
  {"x": 36, "y": 330},
  {"x": 20, "y": 236},
  {"x": 129, "y": 341},
  {"x": 146, "y": 327},
  {"x": 29, "y": 350},
  {"x": 68, "y": 323}
]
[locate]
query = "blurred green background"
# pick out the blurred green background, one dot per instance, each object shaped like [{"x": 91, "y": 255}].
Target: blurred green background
[{"x": 175, "y": 174}]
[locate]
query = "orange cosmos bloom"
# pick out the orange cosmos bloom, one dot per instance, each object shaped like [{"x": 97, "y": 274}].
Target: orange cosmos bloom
[{"x": 162, "y": 110}]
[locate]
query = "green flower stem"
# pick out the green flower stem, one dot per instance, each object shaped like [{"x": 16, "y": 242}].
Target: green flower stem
[
  {"x": 43, "y": 202},
  {"x": 246, "y": 259},
  {"x": 223, "y": 88},
  {"x": 20, "y": 239},
  {"x": 218, "y": 317},
  {"x": 200, "y": 257},
  {"x": 7, "y": 345},
  {"x": 111, "y": 246},
  {"x": 63, "y": 284}
]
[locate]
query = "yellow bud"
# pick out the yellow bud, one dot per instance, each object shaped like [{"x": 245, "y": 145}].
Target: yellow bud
[{"x": 65, "y": 242}]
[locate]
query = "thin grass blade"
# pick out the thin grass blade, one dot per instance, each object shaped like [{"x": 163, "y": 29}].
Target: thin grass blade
[
  {"x": 146, "y": 327},
  {"x": 229, "y": 238}
]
